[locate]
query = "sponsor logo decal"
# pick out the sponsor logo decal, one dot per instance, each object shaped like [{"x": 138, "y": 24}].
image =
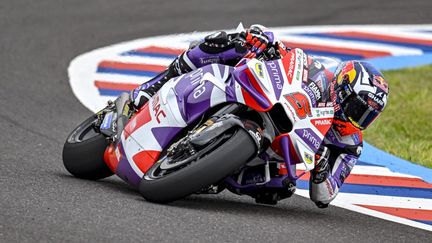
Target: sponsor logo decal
[
  {"x": 310, "y": 93},
  {"x": 308, "y": 158},
  {"x": 322, "y": 124},
  {"x": 299, "y": 55},
  {"x": 315, "y": 90},
  {"x": 379, "y": 98},
  {"x": 209, "y": 60},
  {"x": 324, "y": 112},
  {"x": 325, "y": 104},
  {"x": 333, "y": 97},
  {"x": 158, "y": 112},
  {"x": 107, "y": 121},
  {"x": 198, "y": 91},
  {"x": 348, "y": 72},
  {"x": 310, "y": 137},
  {"x": 196, "y": 78},
  {"x": 291, "y": 63},
  {"x": 259, "y": 70},
  {"x": 305, "y": 75},
  {"x": 380, "y": 82},
  {"x": 274, "y": 70},
  {"x": 305, "y": 60},
  {"x": 320, "y": 81},
  {"x": 276, "y": 77}
]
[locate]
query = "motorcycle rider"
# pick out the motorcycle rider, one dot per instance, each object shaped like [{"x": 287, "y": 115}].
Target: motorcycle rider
[{"x": 357, "y": 91}]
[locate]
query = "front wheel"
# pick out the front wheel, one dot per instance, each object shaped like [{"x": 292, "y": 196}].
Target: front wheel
[
  {"x": 83, "y": 152},
  {"x": 164, "y": 183}
]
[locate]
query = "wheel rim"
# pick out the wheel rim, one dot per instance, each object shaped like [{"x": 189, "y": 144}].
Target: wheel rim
[
  {"x": 88, "y": 133},
  {"x": 84, "y": 132}
]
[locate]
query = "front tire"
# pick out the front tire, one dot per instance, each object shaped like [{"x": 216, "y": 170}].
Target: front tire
[
  {"x": 83, "y": 152},
  {"x": 206, "y": 170}
]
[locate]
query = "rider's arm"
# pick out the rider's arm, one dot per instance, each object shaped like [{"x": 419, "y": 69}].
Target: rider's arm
[{"x": 228, "y": 49}]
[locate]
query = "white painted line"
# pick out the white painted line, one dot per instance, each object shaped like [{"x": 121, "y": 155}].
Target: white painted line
[
  {"x": 385, "y": 201},
  {"x": 358, "y": 209},
  {"x": 394, "y": 50},
  {"x": 378, "y": 171},
  {"x": 142, "y": 60},
  {"x": 371, "y": 170},
  {"x": 119, "y": 78}
]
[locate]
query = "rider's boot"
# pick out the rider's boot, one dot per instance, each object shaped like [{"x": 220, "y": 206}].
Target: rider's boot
[
  {"x": 323, "y": 187},
  {"x": 326, "y": 179},
  {"x": 321, "y": 177}
]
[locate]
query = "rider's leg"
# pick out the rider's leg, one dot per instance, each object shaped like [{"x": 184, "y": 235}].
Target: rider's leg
[
  {"x": 140, "y": 95},
  {"x": 215, "y": 48}
]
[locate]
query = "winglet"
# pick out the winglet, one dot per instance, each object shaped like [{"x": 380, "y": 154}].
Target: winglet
[{"x": 240, "y": 27}]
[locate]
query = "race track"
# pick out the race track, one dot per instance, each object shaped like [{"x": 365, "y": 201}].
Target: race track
[{"x": 40, "y": 201}]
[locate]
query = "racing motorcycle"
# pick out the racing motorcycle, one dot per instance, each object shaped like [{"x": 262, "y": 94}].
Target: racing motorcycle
[{"x": 242, "y": 128}]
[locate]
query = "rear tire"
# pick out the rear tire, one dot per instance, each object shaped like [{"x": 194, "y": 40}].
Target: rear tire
[
  {"x": 209, "y": 169},
  {"x": 83, "y": 152}
]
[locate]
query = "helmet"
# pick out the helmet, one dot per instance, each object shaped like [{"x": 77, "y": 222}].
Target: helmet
[{"x": 361, "y": 93}]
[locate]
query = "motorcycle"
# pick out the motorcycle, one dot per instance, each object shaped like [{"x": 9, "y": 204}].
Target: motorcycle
[{"x": 242, "y": 128}]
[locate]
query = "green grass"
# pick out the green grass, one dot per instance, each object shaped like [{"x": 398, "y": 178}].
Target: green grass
[{"x": 404, "y": 128}]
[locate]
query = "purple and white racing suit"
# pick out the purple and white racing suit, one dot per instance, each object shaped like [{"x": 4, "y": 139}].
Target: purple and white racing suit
[{"x": 345, "y": 145}]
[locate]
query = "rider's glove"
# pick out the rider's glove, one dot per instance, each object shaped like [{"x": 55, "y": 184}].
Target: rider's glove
[
  {"x": 322, "y": 167},
  {"x": 256, "y": 41}
]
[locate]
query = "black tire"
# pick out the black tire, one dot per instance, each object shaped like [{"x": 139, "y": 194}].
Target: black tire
[
  {"x": 83, "y": 152},
  {"x": 212, "y": 168}
]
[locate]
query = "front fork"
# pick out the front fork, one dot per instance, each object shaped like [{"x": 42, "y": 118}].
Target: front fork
[
  {"x": 111, "y": 123},
  {"x": 113, "y": 118}
]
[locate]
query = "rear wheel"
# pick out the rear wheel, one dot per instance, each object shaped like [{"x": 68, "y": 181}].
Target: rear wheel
[
  {"x": 83, "y": 152},
  {"x": 186, "y": 174}
]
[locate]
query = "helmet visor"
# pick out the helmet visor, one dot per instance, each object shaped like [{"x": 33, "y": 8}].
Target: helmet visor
[{"x": 358, "y": 112}]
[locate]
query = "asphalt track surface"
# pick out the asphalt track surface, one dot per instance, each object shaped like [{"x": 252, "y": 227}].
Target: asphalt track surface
[{"x": 40, "y": 201}]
